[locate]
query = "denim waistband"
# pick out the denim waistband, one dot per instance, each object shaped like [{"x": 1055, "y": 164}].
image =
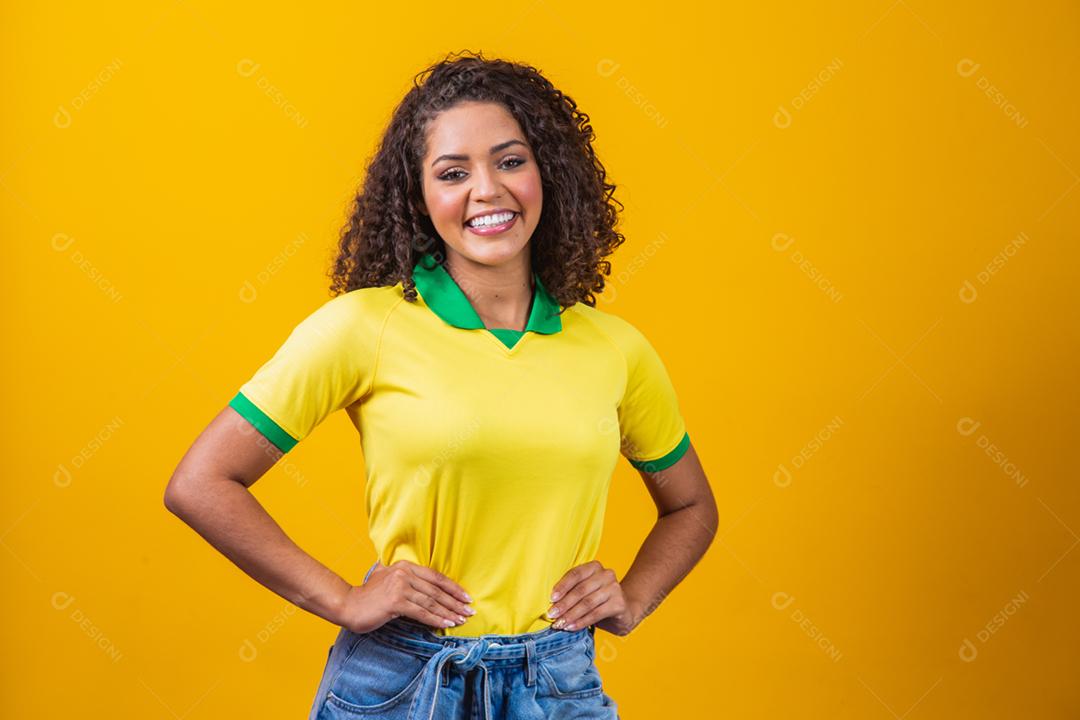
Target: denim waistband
[{"x": 463, "y": 653}]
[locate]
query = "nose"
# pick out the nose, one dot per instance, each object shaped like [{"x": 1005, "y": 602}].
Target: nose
[{"x": 487, "y": 186}]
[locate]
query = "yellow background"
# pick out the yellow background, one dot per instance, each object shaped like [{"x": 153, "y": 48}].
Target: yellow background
[{"x": 812, "y": 194}]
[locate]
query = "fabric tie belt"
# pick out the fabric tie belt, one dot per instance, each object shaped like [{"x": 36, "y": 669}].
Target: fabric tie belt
[
  {"x": 467, "y": 656},
  {"x": 462, "y": 659},
  {"x": 464, "y": 655}
]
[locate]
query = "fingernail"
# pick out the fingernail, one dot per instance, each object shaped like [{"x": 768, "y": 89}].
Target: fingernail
[
  {"x": 470, "y": 609},
  {"x": 555, "y": 596},
  {"x": 558, "y": 624},
  {"x": 461, "y": 620},
  {"x": 449, "y": 623},
  {"x": 553, "y": 612},
  {"x": 468, "y": 597}
]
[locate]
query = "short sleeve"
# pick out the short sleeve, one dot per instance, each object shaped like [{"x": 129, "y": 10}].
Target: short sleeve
[
  {"x": 323, "y": 366},
  {"x": 654, "y": 435}
]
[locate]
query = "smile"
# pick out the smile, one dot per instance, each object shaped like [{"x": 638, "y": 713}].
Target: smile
[{"x": 493, "y": 224}]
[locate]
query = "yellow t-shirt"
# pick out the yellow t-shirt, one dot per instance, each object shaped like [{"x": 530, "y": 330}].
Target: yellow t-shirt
[{"x": 488, "y": 453}]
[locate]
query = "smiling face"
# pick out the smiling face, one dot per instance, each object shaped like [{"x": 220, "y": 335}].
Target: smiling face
[{"x": 478, "y": 161}]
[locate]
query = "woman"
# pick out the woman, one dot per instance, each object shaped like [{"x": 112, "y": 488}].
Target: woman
[{"x": 493, "y": 399}]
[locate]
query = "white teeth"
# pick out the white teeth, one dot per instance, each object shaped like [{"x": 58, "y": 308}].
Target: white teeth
[{"x": 487, "y": 220}]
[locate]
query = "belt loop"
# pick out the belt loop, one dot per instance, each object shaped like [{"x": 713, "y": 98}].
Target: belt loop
[
  {"x": 444, "y": 674},
  {"x": 530, "y": 662}
]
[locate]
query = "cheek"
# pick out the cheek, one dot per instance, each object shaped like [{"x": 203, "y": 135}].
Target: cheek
[
  {"x": 529, "y": 191},
  {"x": 446, "y": 207}
]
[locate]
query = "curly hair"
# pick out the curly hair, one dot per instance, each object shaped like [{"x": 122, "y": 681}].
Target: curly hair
[{"x": 386, "y": 234}]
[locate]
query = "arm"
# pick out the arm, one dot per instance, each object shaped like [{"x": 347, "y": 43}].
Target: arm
[
  {"x": 686, "y": 524},
  {"x": 209, "y": 491}
]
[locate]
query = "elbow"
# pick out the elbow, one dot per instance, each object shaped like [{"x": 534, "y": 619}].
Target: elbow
[
  {"x": 178, "y": 494},
  {"x": 172, "y": 498},
  {"x": 711, "y": 517},
  {"x": 710, "y": 513},
  {"x": 707, "y": 515},
  {"x": 189, "y": 493}
]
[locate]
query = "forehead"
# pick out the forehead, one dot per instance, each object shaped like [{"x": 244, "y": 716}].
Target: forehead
[{"x": 471, "y": 127}]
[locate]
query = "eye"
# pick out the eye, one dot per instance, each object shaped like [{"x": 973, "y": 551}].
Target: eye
[{"x": 455, "y": 174}]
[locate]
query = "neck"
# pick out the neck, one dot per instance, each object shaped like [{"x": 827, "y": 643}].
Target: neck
[{"x": 500, "y": 294}]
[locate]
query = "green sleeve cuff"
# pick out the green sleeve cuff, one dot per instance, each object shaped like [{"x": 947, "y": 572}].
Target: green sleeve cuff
[
  {"x": 261, "y": 421},
  {"x": 662, "y": 463}
]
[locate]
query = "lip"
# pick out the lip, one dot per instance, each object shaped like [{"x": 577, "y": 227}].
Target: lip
[{"x": 494, "y": 229}]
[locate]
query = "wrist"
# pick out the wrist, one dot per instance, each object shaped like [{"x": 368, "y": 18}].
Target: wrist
[
  {"x": 639, "y": 604},
  {"x": 635, "y": 612},
  {"x": 335, "y": 609}
]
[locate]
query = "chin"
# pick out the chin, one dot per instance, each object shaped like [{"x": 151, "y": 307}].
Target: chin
[{"x": 490, "y": 251}]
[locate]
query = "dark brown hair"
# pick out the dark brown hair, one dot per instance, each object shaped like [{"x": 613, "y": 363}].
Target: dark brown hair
[{"x": 386, "y": 233}]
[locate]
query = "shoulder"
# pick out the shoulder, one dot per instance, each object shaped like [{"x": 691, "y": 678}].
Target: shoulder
[
  {"x": 348, "y": 319},
  {"x": 620, "y": 331},
  {"x": 356, "y": 308},
  {"x": 639, "y": 355},
  {"x": 365, "y": 301}
]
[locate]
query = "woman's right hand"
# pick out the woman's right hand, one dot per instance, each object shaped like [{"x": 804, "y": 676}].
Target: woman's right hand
[{"x": 405, "y": 588}]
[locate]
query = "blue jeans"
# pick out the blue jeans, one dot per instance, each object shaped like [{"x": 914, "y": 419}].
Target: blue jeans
[{"x": 404, "y": 671}]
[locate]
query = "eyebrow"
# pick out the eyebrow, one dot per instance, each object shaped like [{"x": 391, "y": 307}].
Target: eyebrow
[{"x": 494, "y": 149}]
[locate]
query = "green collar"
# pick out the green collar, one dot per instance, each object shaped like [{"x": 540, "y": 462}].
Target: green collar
[{"x": 450, "y": 303}]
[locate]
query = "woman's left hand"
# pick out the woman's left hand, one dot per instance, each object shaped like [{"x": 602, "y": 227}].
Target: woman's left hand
[{"x": 590, "y": 594}]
